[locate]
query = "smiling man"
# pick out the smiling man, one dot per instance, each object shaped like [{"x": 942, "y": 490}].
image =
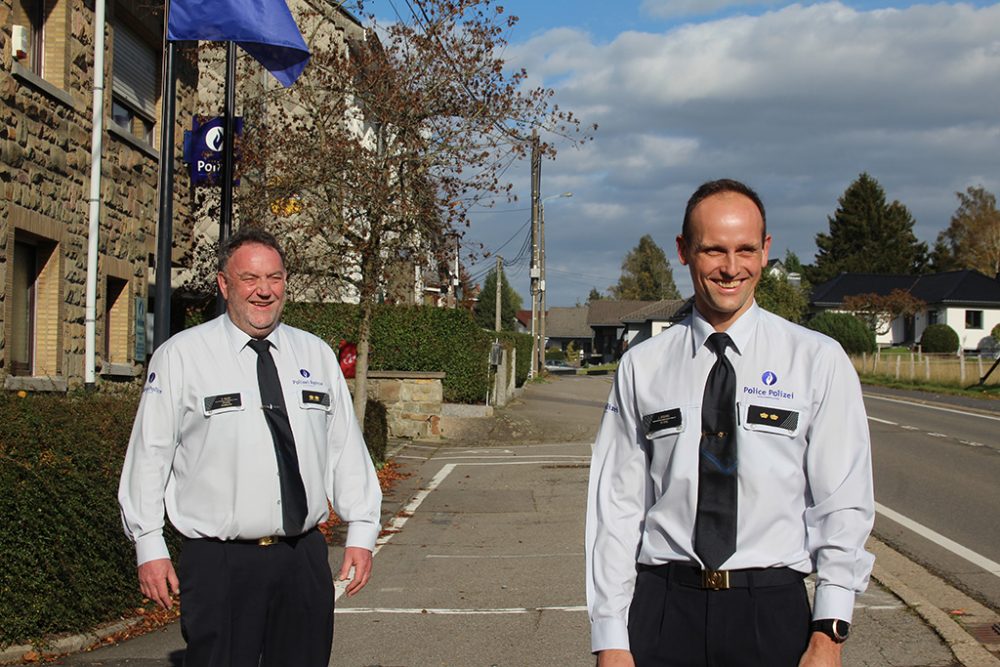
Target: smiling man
[
  {"x": 733, "y": 460},
  {"x": 244, "y": 430}
]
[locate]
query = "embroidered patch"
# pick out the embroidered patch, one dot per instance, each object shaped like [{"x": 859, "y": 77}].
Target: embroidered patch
[
  {"x": 764, "y": 416},
  {"x": 316, "y": 398},
  {"x": 659, "y": 421},
  {"x": 223, "y": 401}
]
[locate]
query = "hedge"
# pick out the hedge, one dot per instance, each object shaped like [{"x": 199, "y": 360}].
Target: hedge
[
  {"x": 67, "y": 565},
  {"x": 939, "y": 338},
  {"x": 412, "y": 338},
  {"x": 522, "y": 343},
  {"x": 852, "y": 334}
]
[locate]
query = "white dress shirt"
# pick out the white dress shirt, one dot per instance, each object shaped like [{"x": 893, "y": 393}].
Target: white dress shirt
[
  {"x": 201, "y": 447},
  {"x": 805, "y": 498}
]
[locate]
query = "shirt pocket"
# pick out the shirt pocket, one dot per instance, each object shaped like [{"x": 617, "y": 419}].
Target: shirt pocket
[
  {"x": 760, "y": 417},
  {"x": 216, "y": 404}
]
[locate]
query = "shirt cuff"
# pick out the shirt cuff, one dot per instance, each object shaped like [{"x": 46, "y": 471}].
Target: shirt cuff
[
  {"x": 833, "y": 602},
  {"x": 150, "y": 547},
  {"x": 362, "y": 534},
  {"x": 608, "y": 633}
]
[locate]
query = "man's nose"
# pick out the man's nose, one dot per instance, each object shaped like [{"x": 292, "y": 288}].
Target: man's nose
[{"x": 730, "y": 266}]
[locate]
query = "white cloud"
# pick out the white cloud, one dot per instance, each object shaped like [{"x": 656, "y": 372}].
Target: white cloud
[{"x": 796, "y": 101}]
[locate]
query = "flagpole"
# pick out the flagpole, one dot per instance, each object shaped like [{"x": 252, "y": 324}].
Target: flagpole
[
  {"x": 164, "y": 228},
  {"x": 228, "y": 149}
]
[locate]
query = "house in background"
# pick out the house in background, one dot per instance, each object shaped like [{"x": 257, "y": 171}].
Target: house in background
[
  {"x": 967, "y": 301},
  {"x": 605, "y": 318},
  {"x": 569, "y": 325},
  {"x": 522, "y": 323},
  {"x": 648, "y": 321}
]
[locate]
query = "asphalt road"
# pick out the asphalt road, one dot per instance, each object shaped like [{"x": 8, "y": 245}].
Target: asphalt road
[{"x": 937, "y": 484}]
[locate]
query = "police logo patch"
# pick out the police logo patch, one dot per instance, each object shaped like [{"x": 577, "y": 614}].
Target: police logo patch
[
  {"x": 316, "y": 398},
  {"x": 766, "y": 416}
]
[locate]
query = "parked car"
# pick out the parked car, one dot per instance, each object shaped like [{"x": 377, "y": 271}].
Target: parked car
[{"x": 559, "y": 366}]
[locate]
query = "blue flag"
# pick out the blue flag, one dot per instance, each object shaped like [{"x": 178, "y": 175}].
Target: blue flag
[{"x": 263, "y": 28}]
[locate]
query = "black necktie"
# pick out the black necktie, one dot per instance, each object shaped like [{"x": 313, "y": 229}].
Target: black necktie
[
  {"x": 293, "y": 493},
  {"x": 715, "y": 525}
]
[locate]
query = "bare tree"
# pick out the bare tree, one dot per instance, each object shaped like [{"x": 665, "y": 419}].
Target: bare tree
[{"x": 386, "y": 142}]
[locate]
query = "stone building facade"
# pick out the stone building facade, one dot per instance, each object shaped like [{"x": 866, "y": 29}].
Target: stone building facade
[{"x": 46, "y": 92}]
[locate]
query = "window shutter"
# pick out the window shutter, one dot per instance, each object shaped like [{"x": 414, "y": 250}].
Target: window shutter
[{"x": 134, "y": 70}]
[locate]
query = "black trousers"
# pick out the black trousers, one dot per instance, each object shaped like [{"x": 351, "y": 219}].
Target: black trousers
[
  {"x": 244, "y": 605},
  {"x": 679, "y": 625}
]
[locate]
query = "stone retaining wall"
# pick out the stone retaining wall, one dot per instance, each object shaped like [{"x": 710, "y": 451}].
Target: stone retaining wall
[{"x": 412, "y": 401}]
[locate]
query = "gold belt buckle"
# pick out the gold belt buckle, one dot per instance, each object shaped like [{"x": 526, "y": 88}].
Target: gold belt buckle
[
  {"x": 717, "y": 580},
  {"x": 267, "y": 541}
]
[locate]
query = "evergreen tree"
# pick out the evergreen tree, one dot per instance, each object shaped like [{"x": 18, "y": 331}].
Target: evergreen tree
[
  {"x": 510, "y": 303},
  {"x": 782, "y": 298},
  {"x": 594, "y": 295},
  {"x": 972, "y": 240},
  {"x": 868, "y": 235},
  {"x": 646, "y": 274}
]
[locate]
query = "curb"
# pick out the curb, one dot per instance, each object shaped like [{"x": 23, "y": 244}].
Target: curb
[
  {"x": 14, "y": 655},
  {"x": 966, "y": 649}
]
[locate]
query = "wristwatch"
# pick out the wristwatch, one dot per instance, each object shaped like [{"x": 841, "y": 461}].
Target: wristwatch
[{"x": 834, "y": 628}]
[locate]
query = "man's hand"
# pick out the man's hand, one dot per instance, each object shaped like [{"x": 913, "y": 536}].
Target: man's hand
[
  {"x": 821, "y": 652},
  {"x": 155, "y": 576},
  {"x": 361, "y": 560},
  {"x": 615, "y": 658}
]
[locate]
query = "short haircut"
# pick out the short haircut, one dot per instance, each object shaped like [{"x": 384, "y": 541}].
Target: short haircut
[
  {"x": 243, "y": 236},
  {"x": 706, "y": 190}
]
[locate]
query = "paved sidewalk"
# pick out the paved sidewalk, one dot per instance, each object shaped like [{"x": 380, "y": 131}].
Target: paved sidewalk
[{"x": 482, "y": 560}]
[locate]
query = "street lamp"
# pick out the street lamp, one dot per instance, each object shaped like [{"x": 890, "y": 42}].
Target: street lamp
[{"x": 540, "y": 330}]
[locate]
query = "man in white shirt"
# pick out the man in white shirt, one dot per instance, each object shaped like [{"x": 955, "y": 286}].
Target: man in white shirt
[
  {"x": 732, "y": 460},
  {"x": 244, "y": 430}
]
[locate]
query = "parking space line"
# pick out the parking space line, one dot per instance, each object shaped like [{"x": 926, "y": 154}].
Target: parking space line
[{"x": 458, "y": 612}]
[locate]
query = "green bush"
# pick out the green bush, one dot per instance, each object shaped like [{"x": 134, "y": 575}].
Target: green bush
[
  {"x": 410, "y": 338},
  {"x": 996, "y": 333},
  {"x": 67, "y": 565},
  {"x": 521, "y": 342},
  {"x": 852, "y": 334},
  {"x": 939, "y": 338},
  {"x": 376, "y": 430},
  {"x": 554, "y": 354}
]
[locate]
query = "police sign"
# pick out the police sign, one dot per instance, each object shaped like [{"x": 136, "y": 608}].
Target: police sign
[{"x": 203, "y": 149}]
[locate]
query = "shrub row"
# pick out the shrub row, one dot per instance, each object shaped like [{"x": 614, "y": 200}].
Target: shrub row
[
  {"x": 417, "y": 338},
  {"x": 851, "y": 332},
  {"x": 67, "y": 566}
]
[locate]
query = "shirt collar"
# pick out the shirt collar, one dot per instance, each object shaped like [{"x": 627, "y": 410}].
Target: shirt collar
[
  {"x": 238, "y": 338},
  {"x": 739, "y": 331}
]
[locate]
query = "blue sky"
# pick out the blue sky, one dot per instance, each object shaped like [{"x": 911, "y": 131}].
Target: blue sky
[{"x": 795, "y": 99}]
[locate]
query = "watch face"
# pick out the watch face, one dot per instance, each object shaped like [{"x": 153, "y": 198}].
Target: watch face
[{"x": 841, "y": 629}]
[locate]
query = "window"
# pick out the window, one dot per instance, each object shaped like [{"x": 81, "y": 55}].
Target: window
[
  {"x": 44, "y": 23},
  {"x": 116, "y": 321},
  {"x": 973, "y": 319},
  {"x": 135, "y": 83},
  {"x": 34, "y": 327},
  {"x": 932, "y": 317}
]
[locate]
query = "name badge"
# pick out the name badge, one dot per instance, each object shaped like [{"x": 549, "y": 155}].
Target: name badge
[
  {"x": 662, "y": 421},
  {"x": 767, "y": 416},
  {"x": 315, "y": 398},
  {"x": 223, "y": 402}
]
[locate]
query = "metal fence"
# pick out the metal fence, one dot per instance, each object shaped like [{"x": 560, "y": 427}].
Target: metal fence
[{"x": 944, "y": 369}]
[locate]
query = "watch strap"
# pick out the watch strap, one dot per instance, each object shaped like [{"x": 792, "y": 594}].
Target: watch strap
[{"x": 834, "y": 628}]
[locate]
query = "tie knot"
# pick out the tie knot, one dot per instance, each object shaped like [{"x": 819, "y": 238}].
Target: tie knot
[
  {"x": 718, "y": 342},
  {"x": 259, "y": 345}
]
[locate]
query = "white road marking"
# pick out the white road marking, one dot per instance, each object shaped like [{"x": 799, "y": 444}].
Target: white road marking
[
  {"x": 979, "y": 560},
  {"x": 400, "y": 519},
  {"x": 503, "y": 557},
  {"x": 506, "y": 458},
  {"x": 939, "y": 435},
  {"x": 882, "y": 421},
  {"x": 456, "y": 612},
  {"x": 907, "y": 427},
  {"x": 970, "y": 443},
  {"x": 932, "y": 407}
]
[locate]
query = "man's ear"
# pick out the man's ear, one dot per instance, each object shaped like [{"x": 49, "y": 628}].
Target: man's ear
[
  {"x": 767, "y": 249},
  {"x": 682, "y": 250},
  {"x": 220, "y": 278}
]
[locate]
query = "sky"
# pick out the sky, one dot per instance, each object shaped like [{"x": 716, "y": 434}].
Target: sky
[{"x": 796, "y": 100}]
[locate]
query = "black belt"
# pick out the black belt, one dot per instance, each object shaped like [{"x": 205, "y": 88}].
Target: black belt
[
  {"x": 265, "y": 541},
  {"x": 686, "y": 574}
]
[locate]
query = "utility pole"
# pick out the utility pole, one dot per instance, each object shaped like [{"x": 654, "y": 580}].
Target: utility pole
[
  {"x": 536, "y": 168},
  {"x": 541, "y": 285},
  {"x": 498, "y": 297}
]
